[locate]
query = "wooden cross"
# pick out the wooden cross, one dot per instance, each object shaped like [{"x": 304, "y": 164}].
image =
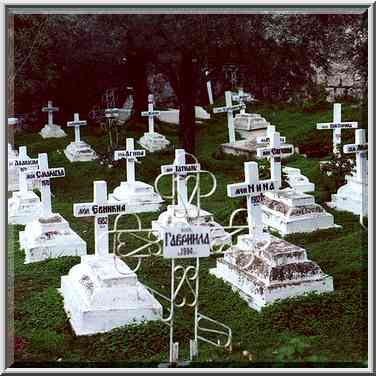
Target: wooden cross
[
  {"x": 50, "y": 109},
  {"x": 230, "y": 108},
  {"x": 336, "y": 126},
  {"x": 150, "y": 113},
  {"x": 252, "y": 188},
  {"x": 131, "y": 155}
]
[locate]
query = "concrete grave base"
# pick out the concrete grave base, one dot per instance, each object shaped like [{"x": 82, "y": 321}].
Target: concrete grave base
[
  {"x": 191, "y": 215},
  {"x": 351, "y": 197},
  {"x": 271, "y": 270},
  {"x": 51, "y": 237},
  {"x": 13, "y": 179},
  {"x": 251, "y": 135},
  {"x": 102, "y": 293},
  {"x": 52, "y": 131},
  {"x": 23, "y": 208},
  {"x": 80, "y": 152},
  {"x": 297, "y": 181},
  {"x": 140, "y": 197},
  {"x": 248, "y": 123},
  {"x": 153, "y": 142},
  {"x": 289, "y": 211}
]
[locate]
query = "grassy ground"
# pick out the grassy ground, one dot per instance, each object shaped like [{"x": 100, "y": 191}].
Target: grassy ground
[{"x": 320, "y": 331}]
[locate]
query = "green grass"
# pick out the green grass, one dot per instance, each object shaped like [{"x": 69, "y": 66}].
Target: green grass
[{"x": 319, "y": 331}]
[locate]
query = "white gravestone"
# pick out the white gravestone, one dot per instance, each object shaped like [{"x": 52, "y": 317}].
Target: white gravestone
[
  {"x": 151, "y": 140},
  {"x": 262, "y": 267},
  {"x": 140, "y": 197},
  {"x": 51, "y": 130},
  {"x": 353, "y": 196},
  {"x": 24, "y": 205},
  {"x": 209, "y": 88},
  {"x": 49, "y": 235},
  {"x": 288, "y": 211},
  {"x": 102, "y": 292},
  {"x": 78, "y": 151},
  {"x": 336, "y": 126},
  {"x": 296, "y": 180},
  {"x": 183, "y": 210}
]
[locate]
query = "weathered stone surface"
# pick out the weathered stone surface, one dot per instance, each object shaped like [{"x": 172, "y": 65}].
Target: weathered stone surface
[
  {"x": 23, "y": 208},
  {"x": 270, "y": 270},
  {"x": 298, "y": 181},
  {"x": 102, "y": 293},
  {"x": 52, "y": 131},
  {"x": 153, "y": 142},
  {"x": 80, "y": 152}
]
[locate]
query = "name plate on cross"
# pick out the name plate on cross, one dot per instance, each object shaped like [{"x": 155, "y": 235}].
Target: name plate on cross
[
  {"x": 46, "y": 174},
  {"x": 90, "y": 209},
  {"x": 354, "y": 148},
  {"x": 235, "y": 107},
  {"x": 28, "y": 163},
  {"x": 150, "y": 113},
  {"x": 344, "y": 125},
  {"x": 245, "y": 189},
  {"x": 265, "y": 152},
  {"x": 266, "y": 140},
  {"x": 180, "y": 169},
  {"x": 125, "y": 154}
]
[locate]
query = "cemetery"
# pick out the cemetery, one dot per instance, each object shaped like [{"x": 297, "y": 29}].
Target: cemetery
[{"x": 190, "y": 234}]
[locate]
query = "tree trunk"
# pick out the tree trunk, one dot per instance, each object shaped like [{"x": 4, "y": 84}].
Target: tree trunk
[{"x": 187, "y": 96}]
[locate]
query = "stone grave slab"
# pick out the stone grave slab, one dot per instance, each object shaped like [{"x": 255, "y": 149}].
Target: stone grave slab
[
  {"x": 139, "y": 196},
  {"x": 49, "y": 235},
  {"x": 296, "y": 180},
  {"x": 51, "y": 130},
  {"x": 102, "y": 293},
  {"x": 262, "y": 267}
]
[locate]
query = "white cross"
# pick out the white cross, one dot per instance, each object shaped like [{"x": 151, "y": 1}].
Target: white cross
[
  {"x": 131, "y": 156},
  {"x": 336, "y": 126},
  {"x": 252, "y": 189},
  {"x": 180, "y": 169},
  {"x": 44, "y": 174},
  {"x": 150, "y": 113},
  {"x": 275, "y": 152},
  {"x": 23, "y": 164},
  {"x": 241, "y": 97},
  {"x": 209, "y": 88},
  {"x": 100, "y": 209},
  {"x": 360, "y": 148},
  {"x": 230, "y": 108},
  {"x": 76, "y": 123},
  {"x": 50, "y": 109},
  {"x": 269, "y": 131}
]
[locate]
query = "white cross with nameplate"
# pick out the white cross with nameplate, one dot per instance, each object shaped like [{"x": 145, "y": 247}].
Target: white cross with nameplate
[
  {"x": 252, "y": 188},
  {"x": 44, "y": 174},
  {"x": 269, "y": 130},
  {"x": 230, "y": 108},
  {"x": 151, "y": 113},
  {"x": 131, "y": 155},
  {"x": 337, "y": 125},
  {"x": 50, "y": 109},
  {"x": 24, "y": 164},
  {"x": 360, "y": 148},
  {"x": 180, "y": 169},
  {"x": 275, "y": 152},
  {"x": 76, "y": 123},
  {"x": 100, "y": 209}
]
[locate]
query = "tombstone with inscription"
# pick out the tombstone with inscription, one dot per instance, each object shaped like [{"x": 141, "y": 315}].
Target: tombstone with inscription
[
  {"x": 353, "y": 196},
  {"x": 139, "y": 197},
  {"x": 286, "y": 210},
  {"x": 182, "y": 208},
  {"x": 102, "y": 292},
  {"x": 296, "y": 180},
  {"x": 24, "y": 205},
  {"x": 49, "y": 235},
  {"x": 78, "y": 151},
  {"x": 51, "y": 130},
  {"x": 262, "y": 267},
  {"x": 151, "y": 140}
]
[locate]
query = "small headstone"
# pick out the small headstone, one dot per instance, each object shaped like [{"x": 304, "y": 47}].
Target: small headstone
[
  {"x": 353, "y": 196},
  {"x": 139, "y": 196},
  {"x": 24, "y": 205},
  {"x": 51, "y": 130},
  {"x": 286, "y": 210},
  {"x": 151, "y": 140},
  {"x": 262, "y": 267},
  {"x": 49, "y": 235},
  {"x": 296, "y": 180},
  {"x": 102, "y": 293},
  {"x": 78, "y": 151}
]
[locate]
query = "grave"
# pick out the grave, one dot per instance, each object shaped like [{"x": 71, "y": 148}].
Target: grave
[
  {"x": 51, "y": 130},
  {"x": 78, "y": 151},
  {"x": 184, "y": 210},
  {"x": 152, "y": 141},
  {"x": 286, "y": 210},
  {"x": 296, "y": 180},
  {"x": 102, "y": 292},
  {"x": 171, "y": 116},
  {"x": 336, "y": 126},
  {"x": 353, "y": 196},
  {"x": 139, "y": 197},
  {"x": 262, "y": 267},
  {"x": 49, "y": 235},
  {"x": 24, "y": 205}
]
